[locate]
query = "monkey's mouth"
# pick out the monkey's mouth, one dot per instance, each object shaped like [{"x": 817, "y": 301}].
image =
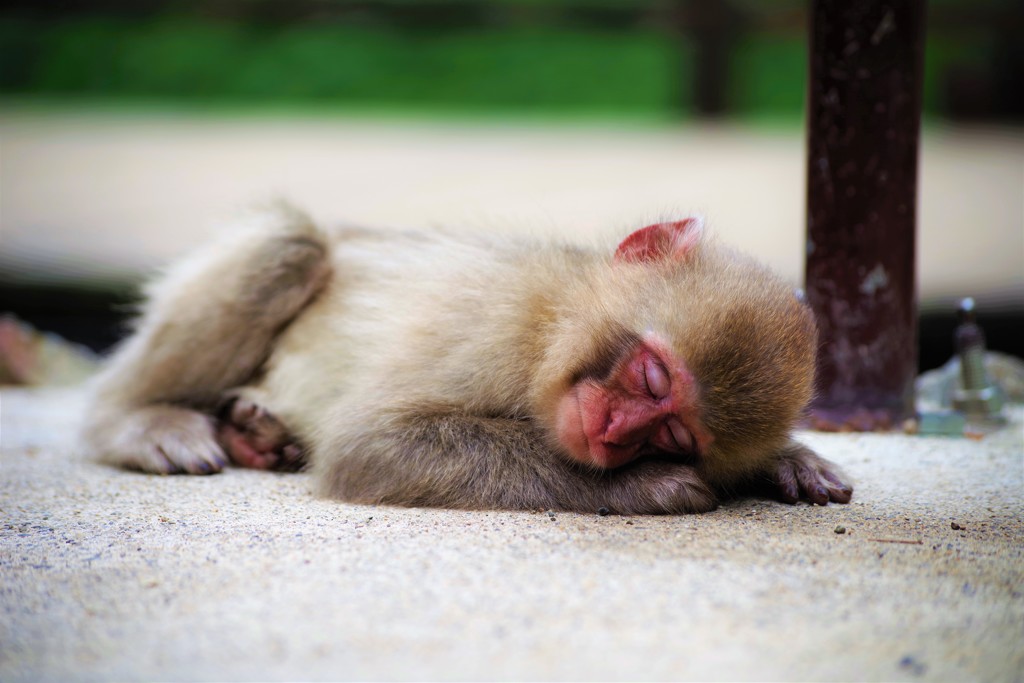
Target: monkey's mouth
[
  {"x": 611, "y": 456},
  {"x": 668, "y": 439},
  {"x": 608, "y": 454},
  {"x": 582, "y": 438}
]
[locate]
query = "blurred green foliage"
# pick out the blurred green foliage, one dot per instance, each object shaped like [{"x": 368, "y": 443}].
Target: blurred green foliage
[
  {"x": 219, "y": 62},
  {"x": 641, "y": 70},
  {"x": 769, "y": 76}
]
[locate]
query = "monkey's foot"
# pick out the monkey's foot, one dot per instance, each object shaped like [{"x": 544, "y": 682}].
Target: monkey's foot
[
  {"x": 253, "y": 437},
  {"x": 801, "y": 474},
  {"x": 160, "y": 439}
]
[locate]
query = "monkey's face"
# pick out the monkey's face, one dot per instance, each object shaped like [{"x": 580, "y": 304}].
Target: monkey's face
[
  {"x": 700, "y": 355},
  {"x": 648, "y": 403}
]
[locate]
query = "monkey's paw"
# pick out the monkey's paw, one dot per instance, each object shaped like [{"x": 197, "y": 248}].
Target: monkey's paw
[
  {"x": 160, "y": 440},
  {"x": 253, "y": 437},
  {"x": 802, "y": 474}
]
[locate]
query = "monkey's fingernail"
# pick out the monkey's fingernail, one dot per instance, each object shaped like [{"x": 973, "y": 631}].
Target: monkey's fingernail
[
  {"x": 821, "y": 495},
  {"x": 841, "y": 497}
]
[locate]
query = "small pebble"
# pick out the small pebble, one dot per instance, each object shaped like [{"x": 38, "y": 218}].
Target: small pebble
[
  {"x": 956, "y": 527},
  {"x": 840, "y": 529},
  {"x": 603, "y": 512},
  {"x": 551, "y": 514},
  {"x": 911, "y": 664}
]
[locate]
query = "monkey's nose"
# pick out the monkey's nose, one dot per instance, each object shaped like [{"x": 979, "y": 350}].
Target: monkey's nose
[{"x": 634, "y": 438}]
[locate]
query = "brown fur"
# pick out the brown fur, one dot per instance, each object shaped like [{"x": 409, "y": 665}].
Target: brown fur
[{"x": 423, "y": 369}]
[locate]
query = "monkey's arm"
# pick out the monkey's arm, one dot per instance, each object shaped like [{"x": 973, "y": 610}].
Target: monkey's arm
[
  {"x": 208, "y": 326},
  {"x": 445, "y": 458}
]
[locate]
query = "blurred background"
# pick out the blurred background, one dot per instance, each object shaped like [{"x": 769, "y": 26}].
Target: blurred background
[{"x": 129, "y": 130}]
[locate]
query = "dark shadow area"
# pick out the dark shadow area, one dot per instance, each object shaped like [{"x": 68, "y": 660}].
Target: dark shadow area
[{"x": 95, "y": 317}]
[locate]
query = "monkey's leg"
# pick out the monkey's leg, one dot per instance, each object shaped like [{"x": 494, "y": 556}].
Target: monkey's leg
[
  {"x": 448, "y": 459},
  {"x": 253, "y": 437},
  {"x": 208, "y": 327},
  {"x": 798, "y": 473}
]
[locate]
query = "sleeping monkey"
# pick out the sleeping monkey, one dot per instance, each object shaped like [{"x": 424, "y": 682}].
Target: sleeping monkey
[{"x": 426, "y": 369}]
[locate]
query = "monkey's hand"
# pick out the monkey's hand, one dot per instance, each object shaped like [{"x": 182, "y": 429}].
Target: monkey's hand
[
  {"x": 658, "y": 488},
  {"x": 801, "y": 474}
]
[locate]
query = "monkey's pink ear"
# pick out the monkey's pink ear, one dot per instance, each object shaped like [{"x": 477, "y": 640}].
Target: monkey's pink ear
[{"x": 675, "y": 240}]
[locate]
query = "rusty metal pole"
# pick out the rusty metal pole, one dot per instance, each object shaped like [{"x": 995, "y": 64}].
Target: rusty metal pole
[{"x": 864, "y": 113}]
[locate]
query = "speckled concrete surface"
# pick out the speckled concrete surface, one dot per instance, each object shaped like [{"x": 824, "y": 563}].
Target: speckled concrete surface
[{"x": 109, "y": 575}]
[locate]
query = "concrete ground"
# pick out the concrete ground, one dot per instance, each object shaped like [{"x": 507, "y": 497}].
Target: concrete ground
[{"x": 110, "y": 575}]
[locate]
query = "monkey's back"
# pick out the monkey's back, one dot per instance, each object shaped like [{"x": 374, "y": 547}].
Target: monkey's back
[{"x": 429, "y": 314}]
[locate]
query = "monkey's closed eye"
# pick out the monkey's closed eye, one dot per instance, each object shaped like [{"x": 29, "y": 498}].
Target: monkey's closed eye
[
  {"x": 681, "y": 435},
  {"x": 658, "y": 383}
]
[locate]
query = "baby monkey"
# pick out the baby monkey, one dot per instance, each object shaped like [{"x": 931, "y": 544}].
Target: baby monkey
[{"x": 427, "y": 369}]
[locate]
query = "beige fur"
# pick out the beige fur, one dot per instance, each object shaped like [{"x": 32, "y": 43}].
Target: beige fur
[{"x": 423, "y": 368}]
